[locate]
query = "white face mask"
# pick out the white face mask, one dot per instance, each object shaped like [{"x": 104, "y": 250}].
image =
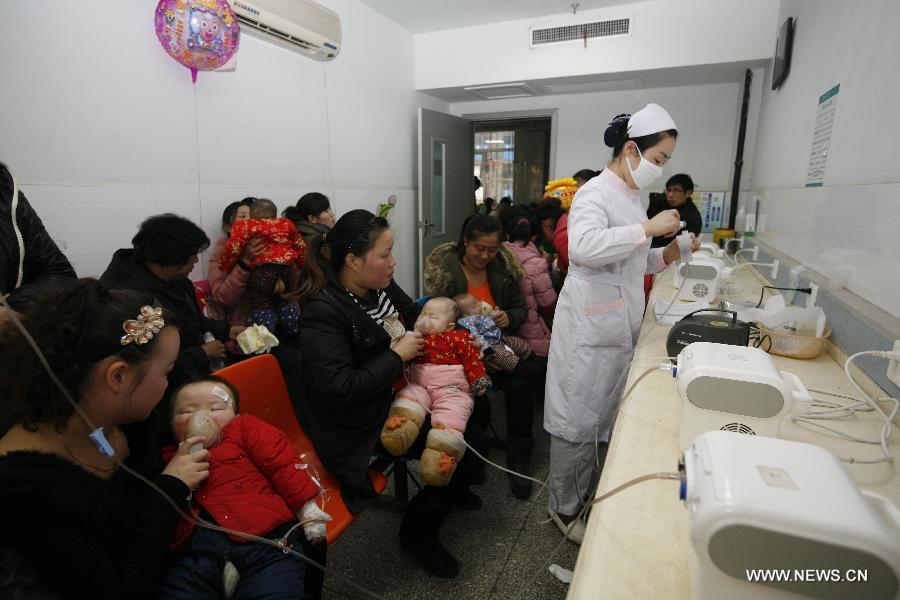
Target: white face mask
[{"x": 646, "y": 172}]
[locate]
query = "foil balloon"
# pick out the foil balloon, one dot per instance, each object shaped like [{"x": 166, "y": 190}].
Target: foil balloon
[
  {"x": 202, "y": 35},
  {"x": 564, "y": 189}
]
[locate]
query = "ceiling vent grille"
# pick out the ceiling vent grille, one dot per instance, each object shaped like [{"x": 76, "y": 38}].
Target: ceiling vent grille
[
  {"x": 501, "y": 90},
  {"x": 542, "y": 36}
]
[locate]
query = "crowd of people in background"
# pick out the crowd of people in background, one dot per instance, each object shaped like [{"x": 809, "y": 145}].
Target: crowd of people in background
[{"x": 122, "y": 343}]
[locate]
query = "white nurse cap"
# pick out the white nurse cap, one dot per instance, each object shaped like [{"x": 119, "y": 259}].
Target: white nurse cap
[{"x": 653, "y": 118}]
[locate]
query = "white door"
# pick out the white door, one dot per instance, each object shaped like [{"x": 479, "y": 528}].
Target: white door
[{"x": 446, "y": 189}]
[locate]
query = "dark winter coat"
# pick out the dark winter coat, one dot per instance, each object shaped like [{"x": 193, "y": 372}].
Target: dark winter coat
[
  {"x": 79, "y": 535},
  {"x": 45, "y": 269},
  {"x": 348, "y": 369}
]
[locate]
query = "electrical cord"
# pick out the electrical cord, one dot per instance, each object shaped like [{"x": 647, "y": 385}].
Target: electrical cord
[
  {"x": 196, "y": 520},
  {"x": 586, "y": 504},
  {"x": 868, "y": 404},
  {"x": 806, "y": 290},
  {"x": 675, "y": 297},
  {"x": 650, "y": 476}
]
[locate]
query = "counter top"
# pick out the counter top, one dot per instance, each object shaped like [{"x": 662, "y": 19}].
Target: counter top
[{"x": 637, "y": 543}]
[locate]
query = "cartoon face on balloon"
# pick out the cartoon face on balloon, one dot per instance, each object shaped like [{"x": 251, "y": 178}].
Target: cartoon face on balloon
[
  {"x": 200, "y": 34},
  {"x": 204, "y": 30}
]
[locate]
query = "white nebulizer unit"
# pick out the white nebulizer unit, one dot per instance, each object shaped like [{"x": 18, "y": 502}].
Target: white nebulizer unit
[
  {"x": 734, "y": 388},
  {"x": 701, "y": 278},
  {"x": 776, "y": 520}
]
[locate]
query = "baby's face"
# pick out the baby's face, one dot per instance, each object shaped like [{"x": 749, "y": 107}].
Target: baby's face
[
  {"x": 469, "y": 305},
  {"x": 434, "y": 318},
  {"x": 205, "y": 397}
]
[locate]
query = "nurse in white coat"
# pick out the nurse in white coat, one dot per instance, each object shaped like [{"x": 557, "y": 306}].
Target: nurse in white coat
[{"x": 602, "y": 303}]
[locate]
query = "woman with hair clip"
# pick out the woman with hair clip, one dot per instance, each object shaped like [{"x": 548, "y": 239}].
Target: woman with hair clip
[
  {"x": 480, "y": 265},
  {"x": 355, "y": 344},
  {"x": 601, "y": 305},
  {"x": 71, "y": 522}
]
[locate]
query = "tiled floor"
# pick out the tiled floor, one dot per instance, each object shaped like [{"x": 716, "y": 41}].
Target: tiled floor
[{"x": 499, "y": 547}]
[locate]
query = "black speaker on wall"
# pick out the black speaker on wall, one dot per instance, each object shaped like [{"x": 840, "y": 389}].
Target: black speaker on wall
[{"x": 781, "y": 66}]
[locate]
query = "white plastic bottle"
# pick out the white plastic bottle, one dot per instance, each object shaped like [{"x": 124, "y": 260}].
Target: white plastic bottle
[
  {"x": 214, "y": 363},
  {"x": 740, "y": 222}
]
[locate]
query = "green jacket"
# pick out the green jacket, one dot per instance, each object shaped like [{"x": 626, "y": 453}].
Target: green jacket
[
  {"x": 444, "y": 277},
  {"x": 310, "y": 231}
]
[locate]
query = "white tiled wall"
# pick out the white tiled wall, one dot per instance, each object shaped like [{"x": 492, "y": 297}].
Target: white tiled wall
[{"x": 846, "y": 232}]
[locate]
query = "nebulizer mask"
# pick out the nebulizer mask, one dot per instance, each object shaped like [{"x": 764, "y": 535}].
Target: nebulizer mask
[{"x": 202, "y": 424}]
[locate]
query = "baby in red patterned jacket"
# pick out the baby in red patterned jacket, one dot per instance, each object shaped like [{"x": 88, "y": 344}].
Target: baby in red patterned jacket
[
  {"x": 272, "y": 271},
  {"x": 442, "y": 382},
  {"x": 255, "y": 486}
]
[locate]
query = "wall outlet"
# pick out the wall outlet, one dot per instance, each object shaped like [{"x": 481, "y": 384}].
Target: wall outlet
[
  {"x": 775, "y": 264},
  {"x": 893, "y": 371},
  {"x": 813, "y": 296}
]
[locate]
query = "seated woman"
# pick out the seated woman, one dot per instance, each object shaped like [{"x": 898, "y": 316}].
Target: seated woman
[
  {"x": 349, "y": 302},
  {"x": 312, "y": 215},
  {"x": 164, "y": 254},
  {"x": 71, "y": 522},
  {"x": 480, "y": 265}
]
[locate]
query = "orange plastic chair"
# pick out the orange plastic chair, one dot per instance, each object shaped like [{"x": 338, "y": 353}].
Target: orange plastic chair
[{"x": 260, "y": 383}]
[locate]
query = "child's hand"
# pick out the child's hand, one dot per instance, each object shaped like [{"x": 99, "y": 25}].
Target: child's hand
[
  {"x": 190, "y": 467},
  {"x": 475, "y": 343},
  {"x": 234, "y": 331},
  {"x": 500, "y": 318},
  {"x": 313, "y": 519}
]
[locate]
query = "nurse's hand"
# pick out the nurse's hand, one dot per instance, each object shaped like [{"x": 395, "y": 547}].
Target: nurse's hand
[
  {"x": 500, "y": 318},
  {"x": 666, "y": 223},
  {"x": 672, "y": 252}
]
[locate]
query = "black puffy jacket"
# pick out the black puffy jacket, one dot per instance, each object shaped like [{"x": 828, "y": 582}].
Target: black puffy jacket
[
  {"x": 45, "y": 269},
  {"x": 348, "y": 369}
]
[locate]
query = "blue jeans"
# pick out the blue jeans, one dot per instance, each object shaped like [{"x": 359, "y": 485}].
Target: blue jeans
[{"x": 267, "y": 573}]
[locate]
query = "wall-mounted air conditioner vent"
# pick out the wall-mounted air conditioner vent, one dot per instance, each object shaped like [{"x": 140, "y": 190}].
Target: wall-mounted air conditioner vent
[
  {"x": 542, "y": 36},
  {"x": 299, "y": 25}
]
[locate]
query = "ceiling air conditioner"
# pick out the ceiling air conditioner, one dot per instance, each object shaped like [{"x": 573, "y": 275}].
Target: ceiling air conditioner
[{"x": 299, "y": 25}]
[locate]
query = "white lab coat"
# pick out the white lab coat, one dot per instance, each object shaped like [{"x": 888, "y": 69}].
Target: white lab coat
[{"x": 600, "y": 308}]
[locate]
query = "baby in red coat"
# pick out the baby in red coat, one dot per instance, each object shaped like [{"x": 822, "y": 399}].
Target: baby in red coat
[
  {"x": 255, "y": 486},
  {"x": 271, "y": 273},
  {"x": 442, "y": 382}
]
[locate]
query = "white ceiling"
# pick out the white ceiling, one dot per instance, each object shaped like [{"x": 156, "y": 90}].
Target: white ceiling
[{"x": 420, "y": 16}]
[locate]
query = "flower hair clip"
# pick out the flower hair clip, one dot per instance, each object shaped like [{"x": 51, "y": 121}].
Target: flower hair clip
[{"x": 141, "y": 330}]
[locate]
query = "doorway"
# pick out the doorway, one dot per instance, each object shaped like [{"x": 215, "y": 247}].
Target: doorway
[{"x": 512, "y": 159}]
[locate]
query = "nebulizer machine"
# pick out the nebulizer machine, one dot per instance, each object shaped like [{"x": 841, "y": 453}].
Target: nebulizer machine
[
  {"x": 698, "y": 275},
  {"x": 734, "y": 388},
  {"x": 775, "y": 519}
]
